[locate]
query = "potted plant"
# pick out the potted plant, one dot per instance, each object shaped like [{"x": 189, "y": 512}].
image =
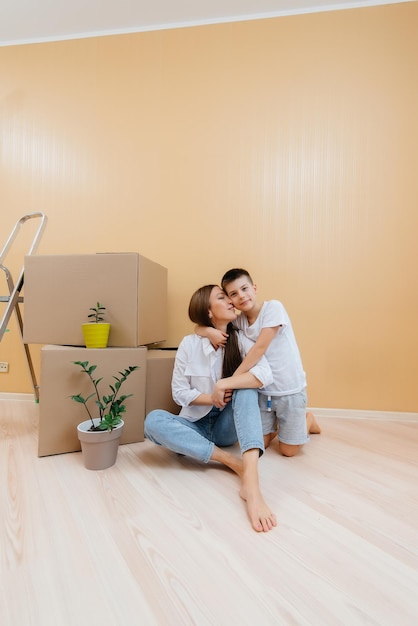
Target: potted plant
[
  {"x": 96, "y": 332},
  {"x": 99, "y": 436}
]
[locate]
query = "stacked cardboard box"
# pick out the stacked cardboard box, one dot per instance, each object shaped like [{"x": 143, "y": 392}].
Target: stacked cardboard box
[
  {"x": 59, "y": 290},
  {"x": 160, "y": 364},
  {"x": 60, "y": 379}
]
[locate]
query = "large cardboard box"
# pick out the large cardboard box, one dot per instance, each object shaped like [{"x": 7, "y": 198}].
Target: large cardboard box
[
  {"x": 60, "y": 289},
  {"x": 60, "y": 379},
  {"x": 160, "y": 364}
]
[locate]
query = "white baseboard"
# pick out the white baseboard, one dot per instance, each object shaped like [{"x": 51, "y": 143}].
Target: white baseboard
[
  {"x": 318, "y": 412},
  {"x": 25, "y": 397},
  {"x": 359, "y": 414}
]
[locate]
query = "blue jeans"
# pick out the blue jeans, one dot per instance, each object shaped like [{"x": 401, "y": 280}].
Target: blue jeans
[{"x": 239, "y": 421}]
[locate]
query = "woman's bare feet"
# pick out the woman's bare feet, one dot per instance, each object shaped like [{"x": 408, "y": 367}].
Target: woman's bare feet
[
  {"x": 261, "y": 517},
  {"x": 312, "y": 425}
]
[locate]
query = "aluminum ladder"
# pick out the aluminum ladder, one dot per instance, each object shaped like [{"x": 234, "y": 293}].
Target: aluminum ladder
[{"x": 14, "y": 297}]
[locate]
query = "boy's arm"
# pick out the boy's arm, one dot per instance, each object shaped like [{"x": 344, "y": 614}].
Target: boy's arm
[
  {"x": 222, "y": 392},
  {"x": 258, "y": 350},
  {"x": 216, "y": 337},
  {"x": 259, "y": 376}
]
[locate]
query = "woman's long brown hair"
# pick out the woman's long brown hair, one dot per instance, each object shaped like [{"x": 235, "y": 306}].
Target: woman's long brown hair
[{"x": 199, "y": 314}]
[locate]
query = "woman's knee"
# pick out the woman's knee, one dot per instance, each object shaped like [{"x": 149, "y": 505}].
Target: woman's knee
[
  {"x": 151, "y": 422},
  {"x": 247, "y": 398},
  {"x": 246, "y": 393}
]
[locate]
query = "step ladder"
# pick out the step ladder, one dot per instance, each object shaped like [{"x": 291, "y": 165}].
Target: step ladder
[{"x": 14, "y": 297}]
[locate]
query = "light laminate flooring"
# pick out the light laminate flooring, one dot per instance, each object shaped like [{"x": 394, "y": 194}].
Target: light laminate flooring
[{"x": 159, "y": 539}]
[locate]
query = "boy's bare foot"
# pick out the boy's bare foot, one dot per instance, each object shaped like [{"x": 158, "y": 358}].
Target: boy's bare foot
[
  {"x": 261, "y": 517},
  {"x": 312, "y": 425}
]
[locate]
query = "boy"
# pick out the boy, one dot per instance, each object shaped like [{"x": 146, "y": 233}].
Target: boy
[{"x": 283, "y": 403}]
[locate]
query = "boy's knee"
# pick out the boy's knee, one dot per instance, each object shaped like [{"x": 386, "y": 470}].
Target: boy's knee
[
  {"x": 268, "y": 439},
  {"x": 287, "y": 450}
]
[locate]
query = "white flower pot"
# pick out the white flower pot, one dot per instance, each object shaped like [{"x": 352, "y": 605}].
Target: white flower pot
[{"x": 99, "y": 447}]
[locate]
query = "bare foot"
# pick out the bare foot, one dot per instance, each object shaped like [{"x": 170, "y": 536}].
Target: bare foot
[
  {"x": 261, "y": 517},
  {"x": 313, "y": 426}
]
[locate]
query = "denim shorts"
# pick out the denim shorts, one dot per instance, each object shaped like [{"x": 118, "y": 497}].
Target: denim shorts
[{"x": 287, "y": 415}]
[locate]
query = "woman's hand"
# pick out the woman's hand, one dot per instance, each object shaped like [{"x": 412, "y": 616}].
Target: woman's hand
[{"x": 221, "y": 397}]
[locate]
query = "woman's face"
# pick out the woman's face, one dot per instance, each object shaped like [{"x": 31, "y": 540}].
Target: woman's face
[{"x": 221, "y": 309}]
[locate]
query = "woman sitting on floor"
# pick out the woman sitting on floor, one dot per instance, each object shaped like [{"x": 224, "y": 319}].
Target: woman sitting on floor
[{"x": 218, "y": 408}]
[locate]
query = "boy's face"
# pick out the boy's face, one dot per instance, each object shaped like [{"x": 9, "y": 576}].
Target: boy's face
[{"x": 242, "y": 293}]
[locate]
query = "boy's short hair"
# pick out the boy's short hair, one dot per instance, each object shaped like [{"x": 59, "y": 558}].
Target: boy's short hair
[{"x": 233, "y": 274}]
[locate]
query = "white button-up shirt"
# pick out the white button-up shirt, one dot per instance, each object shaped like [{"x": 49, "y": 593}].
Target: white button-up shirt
[{"x": 198, "y": 366}]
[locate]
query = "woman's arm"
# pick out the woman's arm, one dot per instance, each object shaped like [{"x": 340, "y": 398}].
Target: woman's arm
[
  {"x": 192, "y": 381},
  {"x": 205, "y": 399},
  {"x": 184, "y": 394}
]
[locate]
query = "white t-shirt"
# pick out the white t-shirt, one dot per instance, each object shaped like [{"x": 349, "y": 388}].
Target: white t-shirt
[
  {"x": 282, "y": 353},
  {"x": 198, "y": 366}
]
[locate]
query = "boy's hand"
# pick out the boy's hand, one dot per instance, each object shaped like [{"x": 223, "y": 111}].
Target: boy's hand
[{"x": 216, "y": 337}]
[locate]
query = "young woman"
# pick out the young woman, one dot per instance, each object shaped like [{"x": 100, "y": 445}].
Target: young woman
[{"x": 217, "y": 408}]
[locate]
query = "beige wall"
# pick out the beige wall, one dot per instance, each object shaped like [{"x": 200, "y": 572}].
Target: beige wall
[{"x": 288, "y": 146}]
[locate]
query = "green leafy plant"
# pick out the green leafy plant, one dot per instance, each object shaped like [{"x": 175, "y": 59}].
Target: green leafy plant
[
  {"x": 98, "y": 313},
  {"x": 111, "y": 406}
]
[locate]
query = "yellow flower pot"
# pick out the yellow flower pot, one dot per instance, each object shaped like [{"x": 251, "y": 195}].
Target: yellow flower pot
[{"x": 96, "y": 335}]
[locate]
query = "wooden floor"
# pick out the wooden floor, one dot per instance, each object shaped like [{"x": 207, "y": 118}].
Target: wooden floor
[{"x": 162, "y": 540}]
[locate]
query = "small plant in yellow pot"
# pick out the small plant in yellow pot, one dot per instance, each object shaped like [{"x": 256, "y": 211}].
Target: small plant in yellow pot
[
  {"x": 99, "y": 436},
  {"x": 96, "y": 332}
]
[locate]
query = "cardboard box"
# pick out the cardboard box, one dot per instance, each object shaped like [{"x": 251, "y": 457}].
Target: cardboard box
[
  {"x": 158, "y": 395},
  {"x": 60, "y": 379},
  {"x": 60, "y": 289}
]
